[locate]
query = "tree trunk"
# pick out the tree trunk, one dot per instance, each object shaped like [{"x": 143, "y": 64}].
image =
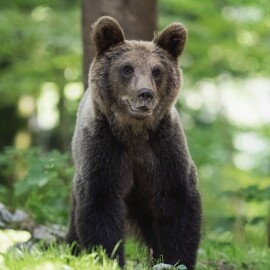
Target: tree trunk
[{"x": 136, "y": 17}]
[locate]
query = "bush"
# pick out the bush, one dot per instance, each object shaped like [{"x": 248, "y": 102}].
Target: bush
[{"x": 36, "y": 182}]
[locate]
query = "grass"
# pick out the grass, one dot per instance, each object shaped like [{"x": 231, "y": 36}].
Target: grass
[
  {"x": 57, "y": 259},
  {"x": 227, "y": 256},
  {"x": 212, "y": 255}
]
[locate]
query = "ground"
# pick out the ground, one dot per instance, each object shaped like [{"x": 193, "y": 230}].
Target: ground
[{"x": 212, "y": 256}]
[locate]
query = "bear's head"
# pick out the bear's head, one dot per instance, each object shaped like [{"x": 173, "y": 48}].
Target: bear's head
[{"x": 135, "y": 81}]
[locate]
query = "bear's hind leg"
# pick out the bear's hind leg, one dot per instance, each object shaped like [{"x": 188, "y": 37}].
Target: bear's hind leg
[{"x": 72, "y": 236}]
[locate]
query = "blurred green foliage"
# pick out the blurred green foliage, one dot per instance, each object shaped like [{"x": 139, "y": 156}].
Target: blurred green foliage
[
  {"x": 40, "y": 42},
  {"x": 38, "y": 183},
  {"x": 224, "y": 36},
  {"x": 227, "y": 49}
]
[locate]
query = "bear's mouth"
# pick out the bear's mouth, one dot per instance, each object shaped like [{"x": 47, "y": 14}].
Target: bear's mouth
[
  {"x": 139, "y": 113},
  {"x": 139, "y": 110}
]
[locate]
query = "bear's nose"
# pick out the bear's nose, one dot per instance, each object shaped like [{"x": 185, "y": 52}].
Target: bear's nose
[{"x": 145, "y": 94}]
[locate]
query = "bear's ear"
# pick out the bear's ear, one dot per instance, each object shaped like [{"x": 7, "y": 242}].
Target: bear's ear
[
  {"x": 172, "y": 39},
  {"x": 106, "y": 33}
]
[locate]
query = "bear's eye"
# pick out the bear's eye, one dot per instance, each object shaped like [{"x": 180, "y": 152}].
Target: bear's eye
[
  {"x": 156, "y": 72},
  {"x": 128, "y": 69}
]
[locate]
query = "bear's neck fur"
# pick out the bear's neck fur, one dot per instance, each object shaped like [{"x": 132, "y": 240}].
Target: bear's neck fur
[{"x": 128, "y": 131}]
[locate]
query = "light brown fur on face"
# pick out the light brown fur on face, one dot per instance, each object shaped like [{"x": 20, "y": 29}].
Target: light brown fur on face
[
  {"x": 135, "y": 83},
  {"x": 143, "y": 61}
]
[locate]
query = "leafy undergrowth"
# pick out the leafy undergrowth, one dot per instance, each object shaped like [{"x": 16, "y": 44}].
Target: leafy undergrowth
[
  {"x": 211, "y": 256},
  {"x": 226, "y": 256}
]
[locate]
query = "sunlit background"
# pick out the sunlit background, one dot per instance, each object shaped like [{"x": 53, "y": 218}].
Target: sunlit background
[{"x": 224, "y": 105}]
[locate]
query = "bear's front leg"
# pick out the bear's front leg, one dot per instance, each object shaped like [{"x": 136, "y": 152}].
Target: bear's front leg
[
  {"x": 101, "y": 182},
  {"x": 177, "y": 215},
  {"x": 178, "y": 228},
  {"x": 100, "y": 222}
]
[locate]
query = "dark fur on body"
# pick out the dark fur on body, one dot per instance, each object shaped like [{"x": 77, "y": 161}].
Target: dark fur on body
[{"x": 131, "y": 157}]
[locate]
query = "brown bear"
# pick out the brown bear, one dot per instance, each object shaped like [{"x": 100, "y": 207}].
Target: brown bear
[{"x": 130, "y": 153}]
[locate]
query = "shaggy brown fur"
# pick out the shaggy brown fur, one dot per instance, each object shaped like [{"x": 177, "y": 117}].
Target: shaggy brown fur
[{"x": 130, "y": 153}]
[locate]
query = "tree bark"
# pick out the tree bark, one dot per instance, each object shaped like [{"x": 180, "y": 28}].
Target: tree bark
[{"x": 136, "y": 17}]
